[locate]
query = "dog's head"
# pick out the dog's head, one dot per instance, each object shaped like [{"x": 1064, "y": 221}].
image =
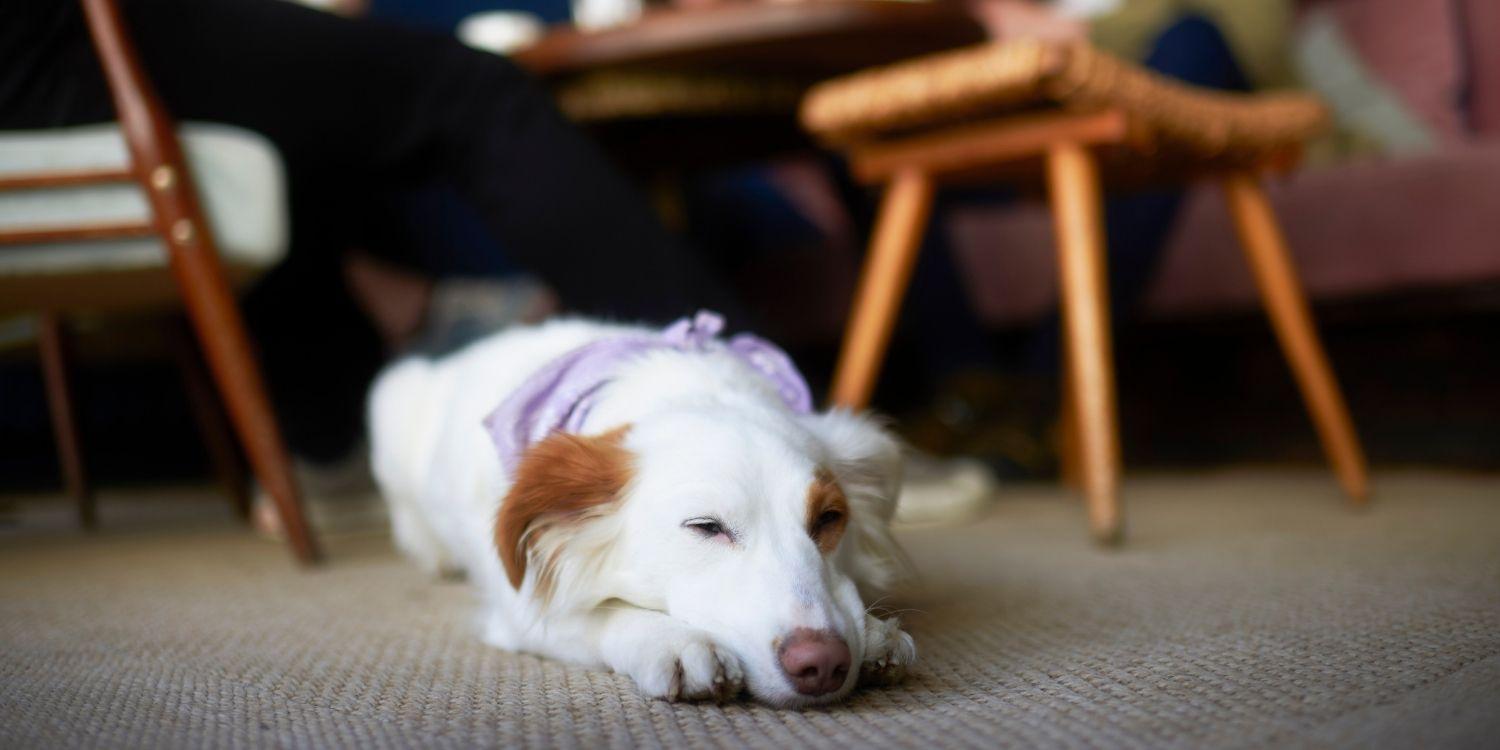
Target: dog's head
[{"x": 753, "y": 527}]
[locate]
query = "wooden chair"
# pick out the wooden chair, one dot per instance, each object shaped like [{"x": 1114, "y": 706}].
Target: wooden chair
[
  {"x": 156, "y": 164},
  {"x": 1075, "y": 116}
]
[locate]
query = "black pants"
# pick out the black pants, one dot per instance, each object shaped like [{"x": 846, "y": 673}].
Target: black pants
[{"x": 361, "y": 112}]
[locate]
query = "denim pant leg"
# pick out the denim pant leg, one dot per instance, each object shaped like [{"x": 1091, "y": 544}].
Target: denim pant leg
[{"x": 1192, "y": 50}]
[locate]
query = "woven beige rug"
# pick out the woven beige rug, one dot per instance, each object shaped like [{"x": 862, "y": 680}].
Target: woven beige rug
[{"x": 1250, "y": 610}]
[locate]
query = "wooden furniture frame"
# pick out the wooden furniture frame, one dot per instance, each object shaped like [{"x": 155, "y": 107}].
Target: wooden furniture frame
[
  {"x": 684, "y": 89},
  {"x": 821, "y": 38},
  {"x": 1068, "y": 145},
  {"x": 157, "y": 165}
]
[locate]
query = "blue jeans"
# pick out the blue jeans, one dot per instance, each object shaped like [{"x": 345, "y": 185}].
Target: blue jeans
[{"x": 1191, "y": 49}]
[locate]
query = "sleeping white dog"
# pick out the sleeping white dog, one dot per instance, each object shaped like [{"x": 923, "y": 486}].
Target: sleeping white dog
[{"x": 662, "y": 503}]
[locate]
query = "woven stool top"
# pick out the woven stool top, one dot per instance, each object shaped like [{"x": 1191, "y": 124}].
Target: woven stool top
[{"x": 976, "y": 82}]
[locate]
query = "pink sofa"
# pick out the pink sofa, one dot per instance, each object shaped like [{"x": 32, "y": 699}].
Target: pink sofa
[{"x": 1356, "y": 229}]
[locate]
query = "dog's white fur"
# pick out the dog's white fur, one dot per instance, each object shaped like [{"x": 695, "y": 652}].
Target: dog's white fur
[{"x": 632, "y": 588}]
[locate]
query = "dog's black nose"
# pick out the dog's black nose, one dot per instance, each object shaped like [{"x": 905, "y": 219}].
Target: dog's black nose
[{"x": 816, "y": 661}]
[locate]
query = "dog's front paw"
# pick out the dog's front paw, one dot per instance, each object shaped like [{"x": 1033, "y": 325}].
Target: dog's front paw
[
  {"x": 888, "y": 652},
  {"x": 688, "y": 666}
]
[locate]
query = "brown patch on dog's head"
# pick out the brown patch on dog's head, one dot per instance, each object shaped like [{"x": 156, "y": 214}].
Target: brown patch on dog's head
[
  {"x": 827, "y": 511},
  {"x": 562, "y": 479}
]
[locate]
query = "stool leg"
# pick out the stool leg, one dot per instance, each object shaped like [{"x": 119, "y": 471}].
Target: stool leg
[
  {"x": 52, "y": 339},
  {"x": 1286, "y": 305},
  {"x": 1069, "y": 462},
  {"x": 1073, "y": 182},
  {"x": 877, "y": 302}
]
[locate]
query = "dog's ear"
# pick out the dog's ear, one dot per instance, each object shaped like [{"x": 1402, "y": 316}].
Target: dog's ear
[
  {"x": 562, "y": 480},
  {"x": 866, "y": 462}
]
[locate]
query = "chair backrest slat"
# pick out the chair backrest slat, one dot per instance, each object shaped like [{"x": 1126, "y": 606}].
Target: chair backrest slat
[
  {"x": 38, "y": 180},
  {"x": 156, "y": 160},
  {"x": 114, "y": 230}
]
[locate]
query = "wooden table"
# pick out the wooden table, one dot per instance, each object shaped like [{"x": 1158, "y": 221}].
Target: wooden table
[
  {"x": 783, "y": 44},
  {"x": 818, "y": 38}
]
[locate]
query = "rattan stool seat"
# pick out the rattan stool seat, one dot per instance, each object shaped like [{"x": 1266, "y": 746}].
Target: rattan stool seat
[{"x": 996, "y": 79}]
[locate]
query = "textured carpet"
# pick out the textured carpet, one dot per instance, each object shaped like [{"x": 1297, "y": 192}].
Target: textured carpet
[{"x": 1249, "y": 610}]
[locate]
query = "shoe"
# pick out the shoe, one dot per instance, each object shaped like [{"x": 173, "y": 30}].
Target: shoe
[
  {"x": 337, "y": 498},
  {"x": 465, "y": 310},
  {"x": 999, "y": 420},
  {"x": 939, "y": 490}
]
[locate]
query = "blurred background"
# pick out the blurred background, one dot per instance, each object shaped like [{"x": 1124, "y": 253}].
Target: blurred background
[
  {"x": 198, "y": 193},
  {"x": 1390, "y": 217}
]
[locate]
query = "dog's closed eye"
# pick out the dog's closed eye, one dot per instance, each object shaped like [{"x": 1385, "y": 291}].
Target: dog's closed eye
[
  {"x": 827, "y": 511},
  {"x": 826, "y": 521},
  {"x": 708, "y": 528}
]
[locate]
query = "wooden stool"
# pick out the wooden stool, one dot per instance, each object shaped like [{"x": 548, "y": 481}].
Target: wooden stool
[{"x": 1070, "y": 113}]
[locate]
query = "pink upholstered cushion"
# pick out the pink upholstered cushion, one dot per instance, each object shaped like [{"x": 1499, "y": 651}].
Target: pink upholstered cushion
[
  {"x": 1355, "y": 229},
  {"x": 1482, "y": 36},
  {"x": 1414, "y": 47}
]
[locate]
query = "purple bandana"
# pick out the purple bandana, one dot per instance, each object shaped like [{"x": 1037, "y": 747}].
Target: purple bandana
[{"x": 558, "y": 397}]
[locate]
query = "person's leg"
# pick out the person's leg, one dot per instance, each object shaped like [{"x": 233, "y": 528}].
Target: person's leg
[
  {"x": 360, "y": 109},
  {"x": 937, "y": 320},
  {"x": 50, "y": 76},
  {"x": 944, "y": 325},
  {"x": 386, "y": 107},
  {"x": 1192, "y": 50},
  {"x": 318, "y": 349}
]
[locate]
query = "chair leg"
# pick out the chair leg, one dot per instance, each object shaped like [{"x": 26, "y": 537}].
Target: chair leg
[
  {"x": 213, "y": 426},
  {"x": 877, "y": 303},
  {"x": 1073, "y": 183},
  {"x": 221, "y": 335},
  {"x": 52, "y": 338},
  {"x": 1069, "y": 462},
  {"x": 1286, "y": 305}
]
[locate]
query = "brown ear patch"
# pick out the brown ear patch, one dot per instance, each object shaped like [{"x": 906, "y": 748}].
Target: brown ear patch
[
  {"x": 559, "y": 480},
  {"x": 827, "y": 511}
]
